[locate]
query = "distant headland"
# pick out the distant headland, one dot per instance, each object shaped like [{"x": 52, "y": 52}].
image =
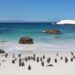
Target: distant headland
[{"x": 66, "y": 22}]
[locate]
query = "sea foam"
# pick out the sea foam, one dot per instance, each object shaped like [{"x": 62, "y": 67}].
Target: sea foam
[{"x": 37, "y": 47}]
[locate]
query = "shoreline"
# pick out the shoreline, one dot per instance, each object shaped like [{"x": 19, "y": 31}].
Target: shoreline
[{"x": 37, "y": 47}]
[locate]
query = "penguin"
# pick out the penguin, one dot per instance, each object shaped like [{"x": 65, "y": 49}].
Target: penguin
[
  {"x": 71, "y": 59},
  {"x": 50, "y": 65},
  {"x": 40, "y": 58},
  {"x": 37, "y": 59},
  {"x": 72, "y": 53},
  {"x": 19, "y": 55},
  {"x": 23, "y": 64},
  {"x": 20, "y": 64},
  {"x": 42, "y": 63},
  {"x": 48, "y": 60},
  {"x": 61, "y": 57},
  {"x": 55, "y": 60},
  {"x": 29, "y": 67},
  {"x": 57, "y": 54},
  {"x": 66, "y": 59},
  {"x": 6, "y": 55},
  {"x": 43, "y": 56},
  {"x": 13, "y": 61}
]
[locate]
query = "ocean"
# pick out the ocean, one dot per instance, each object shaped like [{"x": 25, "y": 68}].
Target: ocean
[{"x": 12, "y": 32}]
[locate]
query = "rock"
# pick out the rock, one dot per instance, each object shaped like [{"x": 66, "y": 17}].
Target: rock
[
  {"x": 53, "y": 31},
  {"x": 1, "y": 51},
  {"x": 26, "y": 40}
]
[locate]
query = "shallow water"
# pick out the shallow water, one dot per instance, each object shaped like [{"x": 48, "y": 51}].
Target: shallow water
[{"x": 12, "y": 32}]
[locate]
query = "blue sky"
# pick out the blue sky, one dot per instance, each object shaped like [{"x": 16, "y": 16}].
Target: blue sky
[{"x": 37, "y": 10}]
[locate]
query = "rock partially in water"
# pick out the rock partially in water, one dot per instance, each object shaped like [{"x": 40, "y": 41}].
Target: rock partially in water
[
  {"x": 52, "y": 31},
  {"x": 26, "y": 40},
  {"x": 2, "y": 51}
]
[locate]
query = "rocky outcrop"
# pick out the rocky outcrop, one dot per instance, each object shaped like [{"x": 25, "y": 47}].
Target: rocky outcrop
[
  {"x": 26, "y": 40},
  {"x": 52, "y": 31},
  {"x": 2, "y": 51}
]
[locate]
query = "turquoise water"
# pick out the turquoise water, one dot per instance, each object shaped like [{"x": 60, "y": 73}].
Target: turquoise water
[{"x": 14, "y": 31}]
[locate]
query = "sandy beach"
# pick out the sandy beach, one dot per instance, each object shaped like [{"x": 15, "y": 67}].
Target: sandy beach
[{"x": 58, "y": 67}]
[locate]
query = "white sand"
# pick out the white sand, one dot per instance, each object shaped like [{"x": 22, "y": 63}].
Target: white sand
[{"x": 59, "y": 68}]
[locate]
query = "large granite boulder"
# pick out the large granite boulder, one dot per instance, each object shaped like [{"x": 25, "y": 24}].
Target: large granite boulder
[
  {"x": 2, "y": 51},
  {"x": 53, "y": 31},
  {"x": 26, "y": 40}
]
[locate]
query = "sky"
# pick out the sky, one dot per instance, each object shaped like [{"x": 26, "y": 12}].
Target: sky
[{"x": 37, "y": 10}]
